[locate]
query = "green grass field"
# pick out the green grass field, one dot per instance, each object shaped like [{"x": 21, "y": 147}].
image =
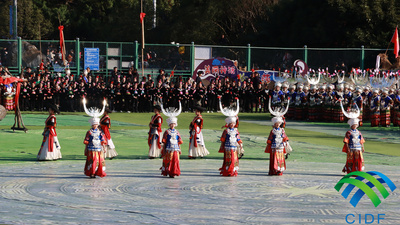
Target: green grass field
[{"x": 129, "y": 133}]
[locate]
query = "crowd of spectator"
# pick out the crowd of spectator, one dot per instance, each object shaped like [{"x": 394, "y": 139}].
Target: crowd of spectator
[{"x": 130, "y": 92}]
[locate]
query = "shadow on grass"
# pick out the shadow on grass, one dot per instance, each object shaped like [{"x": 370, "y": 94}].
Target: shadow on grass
[{"x": 119, "y": 157}]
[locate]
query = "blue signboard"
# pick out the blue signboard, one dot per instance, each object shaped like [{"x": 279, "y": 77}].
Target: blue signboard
[{"x": 92, "y": 56}]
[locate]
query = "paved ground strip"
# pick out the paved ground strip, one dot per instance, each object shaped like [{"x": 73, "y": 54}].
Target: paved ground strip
[{"x": 134, "y": 192}]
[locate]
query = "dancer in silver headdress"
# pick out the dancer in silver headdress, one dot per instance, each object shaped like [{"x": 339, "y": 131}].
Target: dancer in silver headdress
[
  {"x": 230, "y": 142},
  {"x": 278, "y": 142},
  {"x": 353, "y": 143},
  {"x": 95, "y": 142},
  {"x": 172, "y": 141}
]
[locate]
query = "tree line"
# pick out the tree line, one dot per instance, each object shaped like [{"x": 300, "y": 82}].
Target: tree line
[{"x": 283, "y": 23}]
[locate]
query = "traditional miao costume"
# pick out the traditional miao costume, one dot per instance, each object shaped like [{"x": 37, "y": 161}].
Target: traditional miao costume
[
  {"x": 304, "y": 112},
  {"x": 366, "y": 95},
  {"x": 353, "y": 144},
  {"x": 230, "y": 140},
  {"x": 154, "y": 139},
  {"x": 240, "y": 147},
  {"x": 171, "y": 149},
  {"x": 328, "y": 101},
  {"x": 50, "y": 149},
  {"x": 105, "y": 124},
  {"x": 386, "y": 103},
  {"x": 276, "y": 148},
  {"x": 197, "y": 147},
  {"x": 319, "y": 107},
  {"x": 393, "y": 114},
  {"x": 172, "y": 141},
  {"x": 298, "y": 102},
  {"x": 277, "y": 96},
  {"x": 337, "y": 112},
  {"x": 292, "y": 96},
  {"x": 397, "y": 109},
  {"x": 375, "y": 110},
  {"x": 95, "y": 140},
  {"x": 277, "y": 144},
  {"x": 230, "y": 143},
  {"x": 355, "y": 160},
  {"x": 312, "y": 104}
]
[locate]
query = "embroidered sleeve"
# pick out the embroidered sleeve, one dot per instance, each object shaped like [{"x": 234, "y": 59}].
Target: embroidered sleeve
[
  {"x": 223, "y": 137},
  {"x": 270, "y": 137},
  {"x": 87, "y": 138},
  {"x": 165, "y": 137},
  {"x": 347, "y": 137}
]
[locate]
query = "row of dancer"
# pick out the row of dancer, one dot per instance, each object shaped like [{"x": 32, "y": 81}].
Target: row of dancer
[
  {"x": 232, "y": 146},
  {"x": 98, "y": 143}
]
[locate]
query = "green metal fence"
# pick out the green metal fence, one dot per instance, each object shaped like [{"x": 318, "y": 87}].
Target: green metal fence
[{"x": 18, "y": 54}]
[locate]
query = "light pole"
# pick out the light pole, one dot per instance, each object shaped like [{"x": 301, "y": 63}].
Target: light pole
[
  {"x": 15, "y": 20},
  {"x": 155, "y": 14}
]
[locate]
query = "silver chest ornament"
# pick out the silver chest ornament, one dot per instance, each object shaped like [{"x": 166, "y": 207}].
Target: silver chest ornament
[
  {"x": 278, "y": 137},
  {"x": 275, "y": 97},
  {"x": 297, "y": 99},
  {"x": 173, "y": 139},
  {"x": 312, "y": 100},
  {"x": 355, "y": 137},
  {"x": 96, "y": 138},
  {"x": 232, "y": 136}
]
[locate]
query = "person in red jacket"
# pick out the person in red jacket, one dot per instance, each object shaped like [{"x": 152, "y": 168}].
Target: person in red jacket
[
  {"x": 197, "y": 147},
  {"x": 50, "y": 148},
  {"x": 154, "y": 139},
  {"x": 105, "y": 124}
]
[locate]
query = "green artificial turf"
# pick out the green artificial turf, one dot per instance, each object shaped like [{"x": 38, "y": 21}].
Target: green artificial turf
[{"x": 129, "y": 133}]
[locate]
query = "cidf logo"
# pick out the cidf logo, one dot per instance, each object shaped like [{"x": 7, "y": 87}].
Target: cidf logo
[{"x": 356, "y": 179}]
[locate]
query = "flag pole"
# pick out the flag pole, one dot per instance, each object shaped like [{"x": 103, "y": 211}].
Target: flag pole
[{"x": 142, "y": 20}]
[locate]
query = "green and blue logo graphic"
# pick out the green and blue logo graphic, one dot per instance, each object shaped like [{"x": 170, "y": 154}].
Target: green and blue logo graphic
[{"x": 365, "y": 187}]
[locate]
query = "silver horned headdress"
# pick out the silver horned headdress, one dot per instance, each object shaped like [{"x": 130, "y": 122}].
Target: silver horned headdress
[
  {"x": 229, "y": 112},
  {"x": 352, "y": 115},
  {"x": 278, "y": 112},
  {"x": 172, "y": 113},
  {"x": 94, "y": 112}
]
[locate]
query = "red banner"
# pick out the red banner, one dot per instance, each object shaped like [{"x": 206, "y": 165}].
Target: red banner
[
  {"x": 395, "y": 41},
  {"x": 17, "y": 91},
  {"x": 61, "y": 29}
]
